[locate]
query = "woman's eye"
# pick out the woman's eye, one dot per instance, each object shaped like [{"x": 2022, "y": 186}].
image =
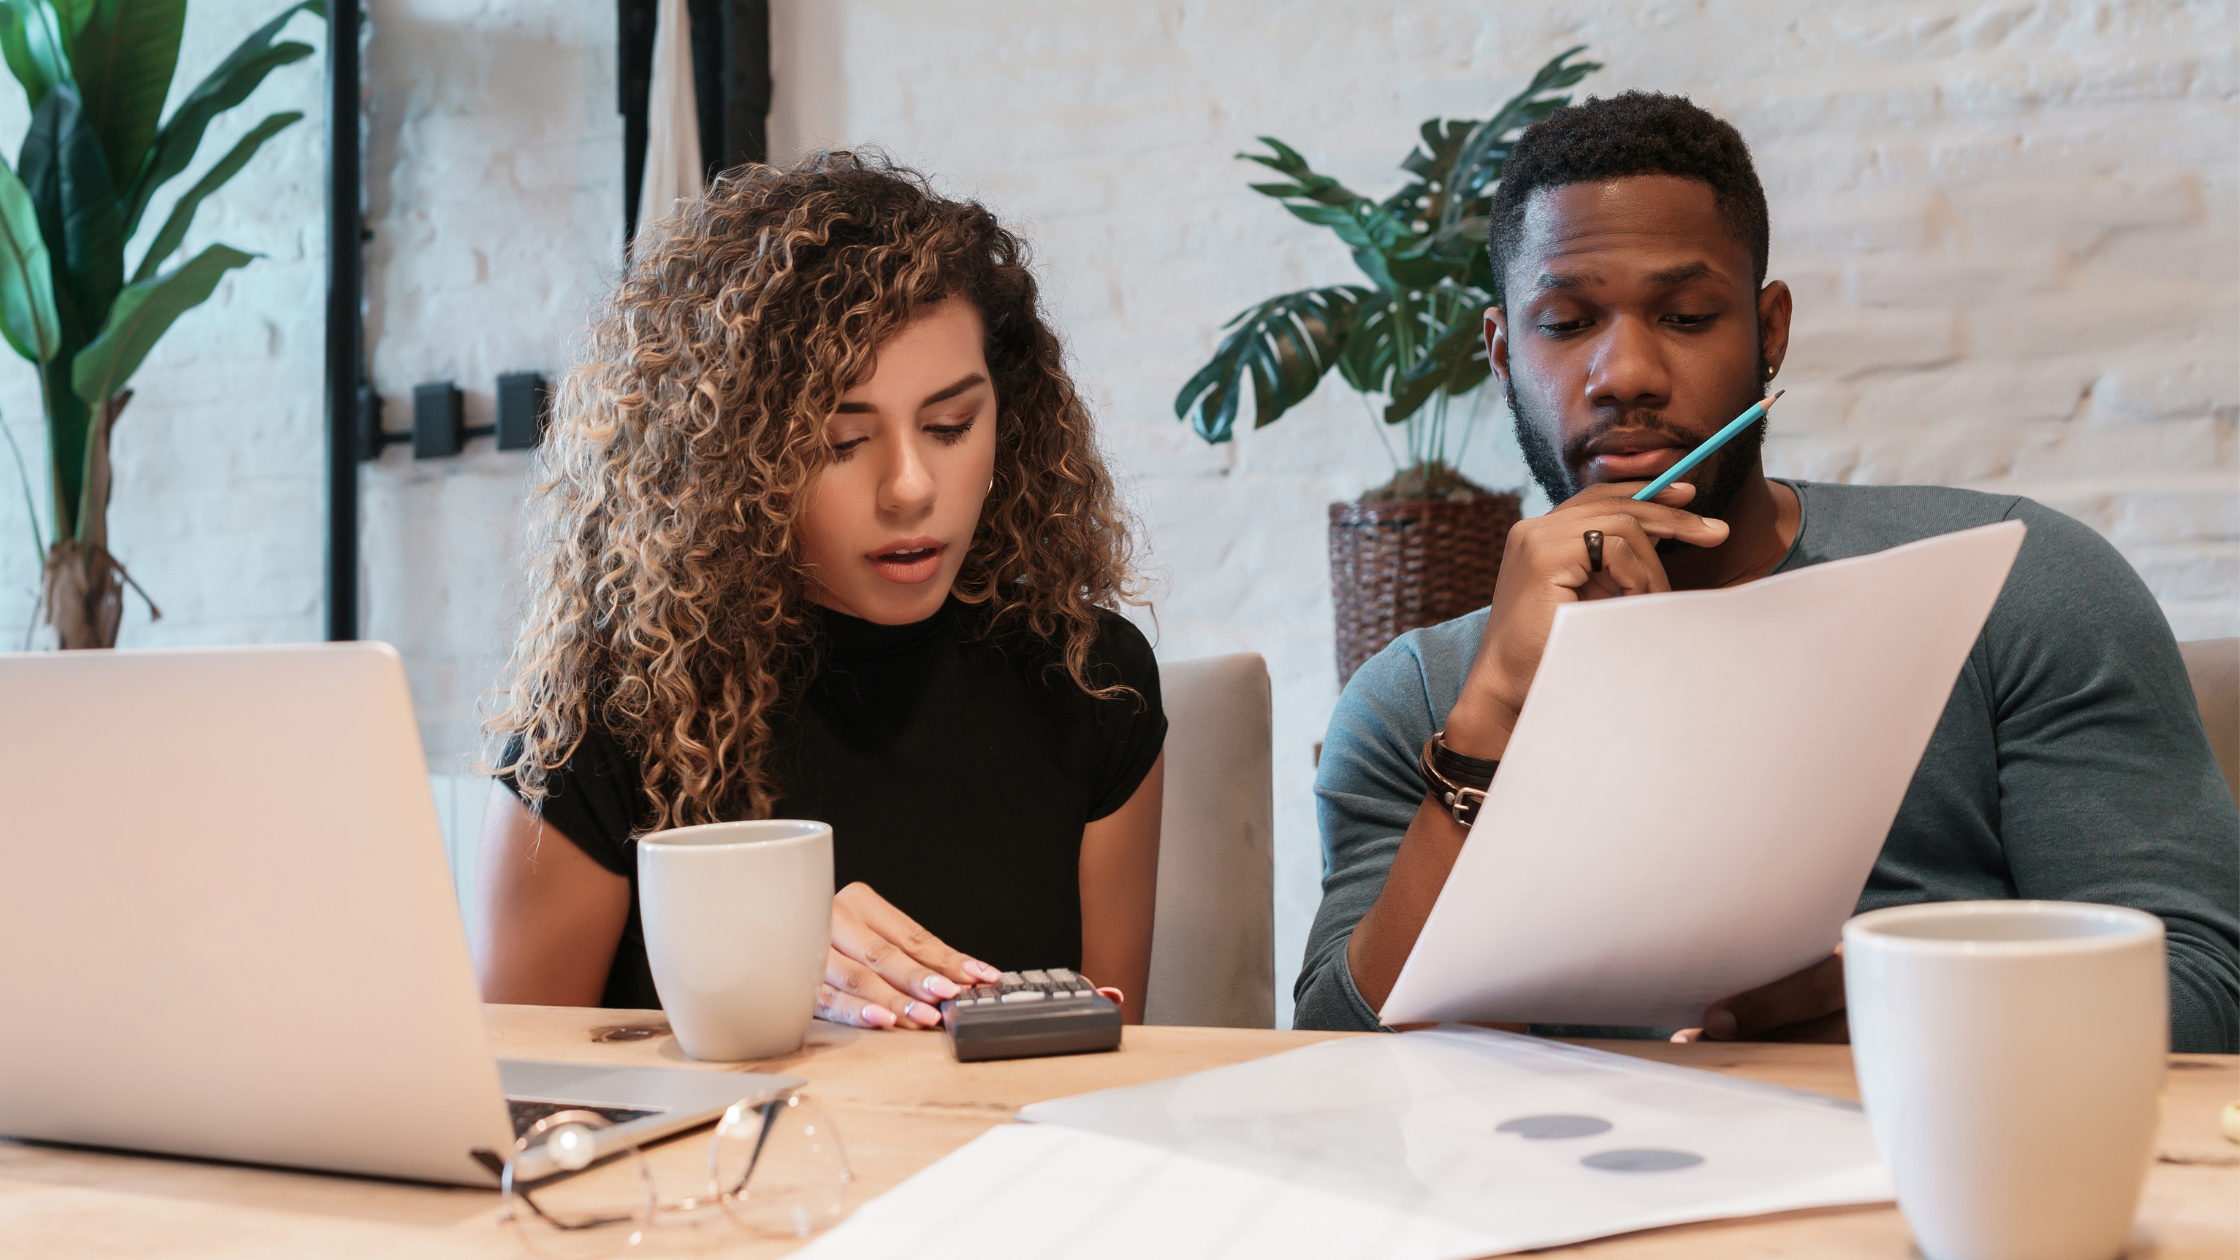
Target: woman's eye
[
  {"x": 847, "y": 446},
  {"x": 949, "y": 434}
]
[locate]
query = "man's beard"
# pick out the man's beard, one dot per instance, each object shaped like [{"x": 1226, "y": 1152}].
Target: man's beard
[{"x": 1549, "y": 468}]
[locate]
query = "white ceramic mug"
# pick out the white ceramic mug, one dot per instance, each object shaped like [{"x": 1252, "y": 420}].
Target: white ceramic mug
[
  {"x": 2010, "y": 1056},
  {"x": 737, "y": 916}
]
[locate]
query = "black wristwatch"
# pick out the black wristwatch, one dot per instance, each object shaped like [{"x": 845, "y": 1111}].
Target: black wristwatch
[{"x": 1458, "y": 781}]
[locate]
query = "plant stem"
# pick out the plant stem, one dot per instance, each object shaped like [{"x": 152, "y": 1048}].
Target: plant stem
[
  {"x": 30, "y": 509},
  {"x": 59, "y": 528},
  {"x": 1470, "y": 422},
  {"x": 1377, "y": 426}
]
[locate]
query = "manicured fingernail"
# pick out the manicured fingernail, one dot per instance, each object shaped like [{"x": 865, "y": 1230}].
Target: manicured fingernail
[
  {"x": 1718, "y": 1023},
  {"x": 878, "y": 1017},
  {"x": 982, "y": 970},
  {"x": 941, "y": 987}
]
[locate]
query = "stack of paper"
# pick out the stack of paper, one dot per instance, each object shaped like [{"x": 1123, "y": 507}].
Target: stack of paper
[{"x": 1431, "y": 1145}]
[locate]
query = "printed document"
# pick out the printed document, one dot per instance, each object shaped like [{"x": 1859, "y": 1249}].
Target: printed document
[
  {"x": 1698, "y": 787},
  {"x": 1432, "y": 1145}
]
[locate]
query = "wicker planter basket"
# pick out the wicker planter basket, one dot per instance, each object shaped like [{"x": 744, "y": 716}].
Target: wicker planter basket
[{"x": 1396, "y": 566}]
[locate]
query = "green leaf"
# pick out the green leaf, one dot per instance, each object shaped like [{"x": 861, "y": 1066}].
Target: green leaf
[
  {"x": 35, "y": 37},
  {"x": 1483, "y": 155},
  {"x": 182, "y": 213},
  {"x": 225, "y": 87},
  {"x": 1455, "y": 364},
  {"x": 1307, "y": 184},
  {"x": 27, "y": 315},
  {"x": 1284, "y": 345},
  {"x": 1372, "y": 352},
  {"x": 142, "y": 314},
  {"x": 123, "y": 60},
  {"x": 68, "y": 178}
]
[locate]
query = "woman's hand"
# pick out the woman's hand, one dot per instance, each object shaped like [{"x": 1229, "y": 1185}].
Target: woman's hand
[{"x": 883, "y": 969}]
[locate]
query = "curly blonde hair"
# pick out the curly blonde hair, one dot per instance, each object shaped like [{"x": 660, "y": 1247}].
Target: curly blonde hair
[{"x": 666, "y": 595}]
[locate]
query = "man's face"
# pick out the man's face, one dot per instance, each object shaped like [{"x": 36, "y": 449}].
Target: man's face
[{"x": 1633, "y": 332}]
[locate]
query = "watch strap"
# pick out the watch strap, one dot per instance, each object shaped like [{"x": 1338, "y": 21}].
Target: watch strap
[{"x": 1458, "y": 780}]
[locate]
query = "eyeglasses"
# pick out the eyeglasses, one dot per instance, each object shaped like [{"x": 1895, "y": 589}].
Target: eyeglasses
[{"x": 775, "y": 1168}]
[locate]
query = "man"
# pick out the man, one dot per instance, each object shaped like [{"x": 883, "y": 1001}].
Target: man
[{"x": 1630, "y": 236}]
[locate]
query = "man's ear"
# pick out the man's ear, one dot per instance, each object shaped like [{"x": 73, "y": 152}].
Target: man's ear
[
  {"x": 1497, "y": 343},
  {"x": 1773, "y": 323}
]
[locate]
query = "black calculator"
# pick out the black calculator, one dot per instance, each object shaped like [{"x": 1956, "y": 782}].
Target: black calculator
[{"x": 1030, "y": 1013}]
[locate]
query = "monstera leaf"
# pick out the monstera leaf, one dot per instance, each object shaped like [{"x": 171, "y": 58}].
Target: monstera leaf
[
  {"x": 1284, "y": 344},
  {"x": 1414, "y": 335}
]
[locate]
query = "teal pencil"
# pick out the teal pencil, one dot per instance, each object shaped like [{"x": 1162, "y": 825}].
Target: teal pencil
[{"x": 1717, "y": 440}]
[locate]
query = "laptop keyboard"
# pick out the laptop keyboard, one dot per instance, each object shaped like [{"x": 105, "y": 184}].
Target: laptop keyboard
[{"x": 527, "y": 1113}]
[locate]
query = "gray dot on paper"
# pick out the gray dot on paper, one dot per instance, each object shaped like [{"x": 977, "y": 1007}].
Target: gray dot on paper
[
  {"x": 1543, "y": 1128},
  {"x": 1641, "y": 1159}
]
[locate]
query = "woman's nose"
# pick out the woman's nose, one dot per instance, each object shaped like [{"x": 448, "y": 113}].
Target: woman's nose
[{"x": 908, "y": 487}]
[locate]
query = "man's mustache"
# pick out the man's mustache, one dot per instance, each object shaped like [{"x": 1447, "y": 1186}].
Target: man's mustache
[{"x": 1575, "y": 452}]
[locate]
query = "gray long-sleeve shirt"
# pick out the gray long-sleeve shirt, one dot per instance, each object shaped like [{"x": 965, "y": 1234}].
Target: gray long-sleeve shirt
[{"x": 2070, "y": 763}]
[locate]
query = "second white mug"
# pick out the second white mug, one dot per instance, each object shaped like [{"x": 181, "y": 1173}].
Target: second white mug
[
  {"x": 2010, "y": 1054},
  {"x": 738, "y": 917}
]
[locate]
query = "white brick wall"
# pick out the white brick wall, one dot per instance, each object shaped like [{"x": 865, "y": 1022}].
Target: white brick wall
[{"x": 2012, "y": 230}]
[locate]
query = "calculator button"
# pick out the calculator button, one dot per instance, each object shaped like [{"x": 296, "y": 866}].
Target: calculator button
[
  {"x": 1035, "y": 977},
  {"x": 1009, "y": 978},
  {"x": 1022, "y": 995}
]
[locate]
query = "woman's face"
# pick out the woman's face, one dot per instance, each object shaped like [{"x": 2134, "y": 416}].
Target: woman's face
[{"x": 914, "y": 448}]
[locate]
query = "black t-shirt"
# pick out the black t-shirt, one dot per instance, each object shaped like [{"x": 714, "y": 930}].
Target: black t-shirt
[{"x": 957, "y": 771}]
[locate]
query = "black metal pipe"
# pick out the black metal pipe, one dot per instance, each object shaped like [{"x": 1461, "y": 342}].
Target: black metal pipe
[{"x": 345, "y": 316}]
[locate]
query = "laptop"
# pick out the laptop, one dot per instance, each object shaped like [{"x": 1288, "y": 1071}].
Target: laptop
[{"x": 227, "y": 928}]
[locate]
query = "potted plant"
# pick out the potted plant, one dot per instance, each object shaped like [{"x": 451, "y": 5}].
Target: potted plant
[
  {"x": 96, "y": 73},
  {"x": 1425, "y": 546}
]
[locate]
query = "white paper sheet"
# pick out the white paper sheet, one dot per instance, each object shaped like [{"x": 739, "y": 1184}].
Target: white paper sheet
[
  {"x": 1401, "y": 1148},
  {"x": 1048, "y": 1192},
  {"x": 1698, "y": 787},
  {"x": 1432, "y": 1127}
]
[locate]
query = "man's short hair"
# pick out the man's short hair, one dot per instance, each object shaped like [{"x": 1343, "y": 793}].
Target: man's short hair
[{"x": 1634, "y": 133}]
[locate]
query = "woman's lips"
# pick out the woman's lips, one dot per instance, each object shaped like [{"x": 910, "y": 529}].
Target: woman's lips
[{"x": 909, "y": 563}]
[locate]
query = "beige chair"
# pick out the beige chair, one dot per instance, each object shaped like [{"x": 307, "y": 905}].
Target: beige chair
[
  {"x": 2215, "y": 667},
  {"x": 1213, "y": 960}
]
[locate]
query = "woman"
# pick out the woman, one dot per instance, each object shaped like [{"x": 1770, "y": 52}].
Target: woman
[{"x": 823, "y": 533}]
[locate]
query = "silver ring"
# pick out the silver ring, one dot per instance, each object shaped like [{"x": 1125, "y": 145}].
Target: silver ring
[{"x": 908, "y": 1007}]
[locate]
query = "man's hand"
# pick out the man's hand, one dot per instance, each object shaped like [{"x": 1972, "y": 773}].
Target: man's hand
[
  {"x": 1543, "y": 568},
  {"x": 1807, "y": 1006},
  {"x": 883, "y": 969}
]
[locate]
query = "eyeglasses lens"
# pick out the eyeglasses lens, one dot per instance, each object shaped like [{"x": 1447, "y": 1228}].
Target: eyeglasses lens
[
  {"x": 780, "y": 1168},
  {"x": 583, "y": 1207}
]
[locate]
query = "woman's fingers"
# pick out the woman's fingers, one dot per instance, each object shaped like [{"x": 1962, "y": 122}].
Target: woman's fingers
[
  {"x": 906, "y": 953},
  {"x": 847, "y": 1008},
  {"x": 853, "y": 978}
]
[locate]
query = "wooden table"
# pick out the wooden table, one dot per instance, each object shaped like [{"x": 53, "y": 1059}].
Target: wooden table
[{"x": 901, "y": 1103}]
